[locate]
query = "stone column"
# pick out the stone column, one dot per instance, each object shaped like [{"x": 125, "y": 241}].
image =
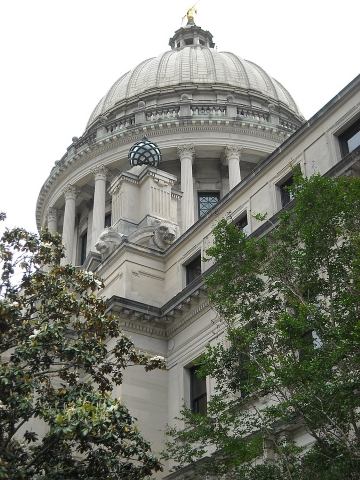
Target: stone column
[
  {"x": 70, "y": 193},
  {"x": 52, "y": 219},
  {"x": 187, "y": 155},
  {"x": 99, "y": 173},
  {"x": 232, "y": 159}
]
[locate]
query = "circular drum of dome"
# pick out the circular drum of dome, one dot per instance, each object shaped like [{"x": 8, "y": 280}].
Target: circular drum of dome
[{"x": 145, "y": 152}]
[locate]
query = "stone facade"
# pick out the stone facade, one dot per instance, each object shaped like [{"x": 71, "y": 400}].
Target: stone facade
[{"x": 224, "y": 139}]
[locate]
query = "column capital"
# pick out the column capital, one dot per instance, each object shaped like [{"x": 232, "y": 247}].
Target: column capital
[
  {"x": 53, "y": 214},
  {"x": 70, "y": 192},
  {"x": 186, "y": 151},
  {"x": 100, "y": 172},
  {"x": 232, "y": 151}
]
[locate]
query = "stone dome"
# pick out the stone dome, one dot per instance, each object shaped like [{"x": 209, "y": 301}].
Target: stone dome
[
  {"x": 214, "y": 100},
  {"x": 197, "y": 66}
]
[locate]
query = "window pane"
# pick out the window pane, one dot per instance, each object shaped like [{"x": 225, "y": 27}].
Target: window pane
[
  {"x": 200, "y": 405},
  {"x": 107, "y": 220},
  {"x": 242, "y": 225},
  {"x": 197, "y": 392},
  {"x": 350, "y": 139},
  {"x": 286, "y": 195},
  {"x": 83, "y": 240},
  {"x": 193, "y": 270},
  {"x": 207, "y": 201},
  {"x": 354, "y": 142}
]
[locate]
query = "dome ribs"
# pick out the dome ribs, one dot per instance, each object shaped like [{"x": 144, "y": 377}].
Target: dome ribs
[
  {"x": 237, "y": 72},
  {"x": 97, "y": 111},
  {"x": 290, "y": 100},
  {"x": 201, "y": 70},
  {"x": 212, "y": 64},
  {"x": 109, "y": 97},
  {"x": 166, "y": 70},
  {"x": 196, "y": 65},
  {"x": 268, "y": 81},
  {"x": 137, "y": 80},
  {"x": 185, "y": 75}
]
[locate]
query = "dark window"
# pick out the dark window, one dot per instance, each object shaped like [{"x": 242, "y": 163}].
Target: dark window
[
  {"x": 207, "y": 200},
  {"x": 311, "y": 341},
  {"x": 202, "y": 42},
  {"x": 197, "y": 392},
  {"x": 188, "y": 41},
  {"x": 245, "y": 377},
  {"x": 193, "y": 269},
  {"x": 83, "y": 243},
  {"x": 107, "y": 220},
  {"x": 350, "y": 139},
  {"x": 286, "y": 195},
  {"x": 243, "y": 225}
]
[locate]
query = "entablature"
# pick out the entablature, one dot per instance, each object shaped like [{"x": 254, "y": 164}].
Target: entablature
[{"x": 162, "y": 322}]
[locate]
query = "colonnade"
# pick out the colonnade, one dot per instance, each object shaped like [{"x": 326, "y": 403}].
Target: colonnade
[{"x": 186, "y": 152}]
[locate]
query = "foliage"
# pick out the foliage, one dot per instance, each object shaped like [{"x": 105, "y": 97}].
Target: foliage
[
  {"x": 57, "y": 371},
  {"x": 290, "y": 362}
]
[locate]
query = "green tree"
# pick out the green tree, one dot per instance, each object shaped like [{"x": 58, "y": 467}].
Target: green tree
[
  {"x": 290, "y": 362},
  {"x": 57, "y": 371}
]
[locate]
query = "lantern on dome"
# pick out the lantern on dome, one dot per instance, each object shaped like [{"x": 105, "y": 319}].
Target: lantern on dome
[{"x": 145, "y": 152}]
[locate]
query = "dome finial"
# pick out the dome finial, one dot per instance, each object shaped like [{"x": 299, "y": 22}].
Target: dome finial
[{"x": 190, "y": 14}]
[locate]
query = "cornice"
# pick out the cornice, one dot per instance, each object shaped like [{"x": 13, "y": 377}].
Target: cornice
[
  {"x": 119, "y": 139},
  {"x": 162, "y": 322}
]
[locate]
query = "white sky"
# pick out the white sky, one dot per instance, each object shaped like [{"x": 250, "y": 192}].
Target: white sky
[{"x": 60, "y": 57}]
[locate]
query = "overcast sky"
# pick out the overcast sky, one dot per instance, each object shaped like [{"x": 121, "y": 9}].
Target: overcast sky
[{"x": 60, "y": 57}]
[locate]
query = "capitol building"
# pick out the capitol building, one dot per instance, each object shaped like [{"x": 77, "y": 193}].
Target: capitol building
[{"x": 210, "y": 135}]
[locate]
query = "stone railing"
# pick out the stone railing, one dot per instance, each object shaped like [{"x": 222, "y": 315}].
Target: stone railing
[
  {"x": 172, "y": 112},
  {"x": 217, "y": 110},
  {"x": 153, "y": 115},
  {"x": 287, "y": 125},
  {"x": 120, "y": 123},
  {"x": 251, "y": 114},
  {"x": 88, "y": 139}
]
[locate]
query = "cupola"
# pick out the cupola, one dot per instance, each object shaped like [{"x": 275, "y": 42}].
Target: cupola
[{"x": 191, "y": 36}]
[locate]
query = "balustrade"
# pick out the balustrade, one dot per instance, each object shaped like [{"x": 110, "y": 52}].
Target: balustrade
[
  {"x": 120, "y": 124},
  {"x": 86, "y": 140},
  {"x": 254, "y": 115},
  {"x": 288, "y": 125},
  {"x": 162, "y": 113},
  {"x": 217, "y": 110}
]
